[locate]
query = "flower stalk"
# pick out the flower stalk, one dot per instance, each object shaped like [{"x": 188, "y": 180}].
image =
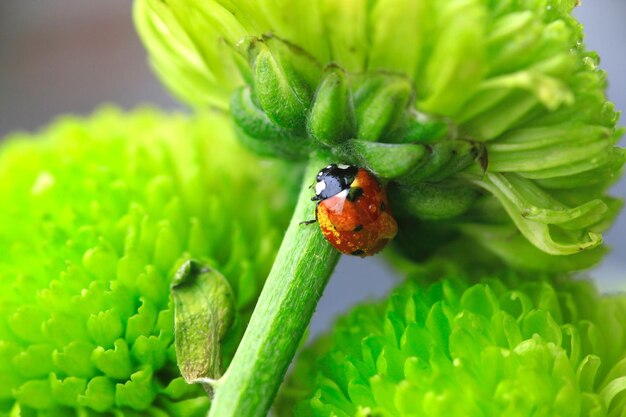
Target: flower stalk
[{"x": 296, "y": 282}]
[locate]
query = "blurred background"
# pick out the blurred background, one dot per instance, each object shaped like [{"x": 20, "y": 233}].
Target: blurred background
[{"x": 69, "y": 56}]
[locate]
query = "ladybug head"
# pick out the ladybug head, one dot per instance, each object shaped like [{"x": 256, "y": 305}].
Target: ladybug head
[{"x": 334, "y": 179}]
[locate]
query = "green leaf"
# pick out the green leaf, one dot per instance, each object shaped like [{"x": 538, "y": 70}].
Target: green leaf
[{"x": 204, "y": 312}]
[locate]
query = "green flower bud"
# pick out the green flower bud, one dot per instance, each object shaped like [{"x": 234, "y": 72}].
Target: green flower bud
[
  {"x": 501, "y": 96},
  {"x": 98, "y": 215},
  {"x": 498, "y": 345}
]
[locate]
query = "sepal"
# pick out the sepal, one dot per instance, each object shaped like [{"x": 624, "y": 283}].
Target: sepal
[
  {"x": 332, "y": 119},
  {"x": 256, "y": 131},
  {"x": 284, "y": 80},
  {"x": 381, "y": 101}
]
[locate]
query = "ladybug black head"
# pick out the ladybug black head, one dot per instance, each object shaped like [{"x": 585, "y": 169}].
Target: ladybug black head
[{"x": 334, "y": 179}]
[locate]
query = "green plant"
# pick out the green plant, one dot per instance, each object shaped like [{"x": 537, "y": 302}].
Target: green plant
[
  {"x": 464, "y": 115},
  {"x": 451, "y": 102},
  {"x": 102, "y": 212},
  {"x": 486, "y": 120},
  {"x": 445, "y": 344}
]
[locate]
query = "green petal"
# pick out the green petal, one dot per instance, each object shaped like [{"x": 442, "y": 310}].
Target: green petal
[{"x": 503, "y": 344}]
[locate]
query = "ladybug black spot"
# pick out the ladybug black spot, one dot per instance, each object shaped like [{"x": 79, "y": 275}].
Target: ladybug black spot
[
  {"x": 383, "y": 207},
  {"x": 354, "y": 194},
  {"x": 358, "y": 228},
  {"x": 358, "y": 252}
]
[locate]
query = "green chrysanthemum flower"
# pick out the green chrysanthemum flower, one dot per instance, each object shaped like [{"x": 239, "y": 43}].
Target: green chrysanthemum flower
[
  {"x": 490, "y": 115},
  {"x": 514, "y": 346},
  {"x": 97, "y": 215}
]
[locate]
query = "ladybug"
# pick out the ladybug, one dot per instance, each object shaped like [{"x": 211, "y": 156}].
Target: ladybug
[{"x": 352, "y": 210}]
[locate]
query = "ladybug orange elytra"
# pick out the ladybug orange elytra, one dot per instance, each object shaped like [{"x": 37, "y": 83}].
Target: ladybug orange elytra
[{"x": 352, "y": 210}]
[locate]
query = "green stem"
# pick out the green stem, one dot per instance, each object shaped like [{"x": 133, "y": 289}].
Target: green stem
[{"x": 296, "y": 282}]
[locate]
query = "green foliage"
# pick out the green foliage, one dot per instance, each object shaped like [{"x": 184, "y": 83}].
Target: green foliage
[
  {"x": 97, "y": 216},
  {"x": 204, "y": 311},
  {"x": 499, "y": 345},
  {"x": 488, "y": 122},
  {"x": 455, "y": 103}
]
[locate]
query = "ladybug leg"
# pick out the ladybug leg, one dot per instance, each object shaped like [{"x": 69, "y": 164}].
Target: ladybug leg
[{"x": 308, "y": 222}]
